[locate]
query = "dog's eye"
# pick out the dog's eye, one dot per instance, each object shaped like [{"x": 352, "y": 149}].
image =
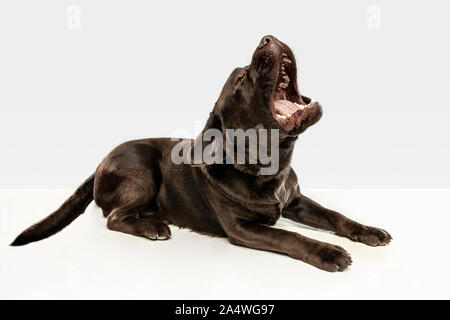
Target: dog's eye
[{"x": 241, "y": 76}]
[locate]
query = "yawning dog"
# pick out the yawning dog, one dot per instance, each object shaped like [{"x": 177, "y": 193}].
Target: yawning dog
[{"x": 141, "y": 189}]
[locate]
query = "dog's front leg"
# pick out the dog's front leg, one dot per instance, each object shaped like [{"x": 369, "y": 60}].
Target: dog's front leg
[
  {"x": 257, "y": 236},
  {"x": 304, "y": 210}
]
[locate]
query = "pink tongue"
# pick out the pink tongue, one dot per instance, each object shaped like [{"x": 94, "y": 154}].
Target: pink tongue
[{"x": 285, "y": 107}]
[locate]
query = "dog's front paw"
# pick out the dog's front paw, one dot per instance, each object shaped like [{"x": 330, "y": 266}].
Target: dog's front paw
[
  {"x": 330, "y": 258},
  {"x": 370, "y": 235}
]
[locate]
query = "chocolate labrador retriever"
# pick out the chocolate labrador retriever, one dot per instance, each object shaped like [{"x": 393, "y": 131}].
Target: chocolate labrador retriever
[{"x": 141, "y": 189}]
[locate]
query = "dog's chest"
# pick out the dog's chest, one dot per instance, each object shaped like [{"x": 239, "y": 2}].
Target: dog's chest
[
  {"x": 260, "y": 203},
  {"x": 272, "y": 205},
  {"x": 282, "y": 194}
]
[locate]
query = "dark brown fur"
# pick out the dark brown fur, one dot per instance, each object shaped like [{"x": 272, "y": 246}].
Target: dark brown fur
[{"x": 141, "y": 191}]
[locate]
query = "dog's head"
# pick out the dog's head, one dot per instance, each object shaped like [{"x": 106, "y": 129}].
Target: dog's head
[
  {"x": 262, "y": 95},
  {"x": 265, "y": 93}
]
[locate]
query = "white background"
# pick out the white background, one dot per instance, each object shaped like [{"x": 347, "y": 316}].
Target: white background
[
  {"x": 139, "y": 69},
  {"x": 88, "y": 261}
]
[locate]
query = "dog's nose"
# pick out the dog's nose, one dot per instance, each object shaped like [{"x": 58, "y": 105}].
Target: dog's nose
[{"x": 265, "y": 41}]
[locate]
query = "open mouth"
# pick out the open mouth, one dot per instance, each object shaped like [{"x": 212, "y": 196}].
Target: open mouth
[{"x": 289, "y": 108}]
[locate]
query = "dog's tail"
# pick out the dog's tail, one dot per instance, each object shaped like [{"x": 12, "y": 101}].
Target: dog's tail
[{"x": 61, "y": 218}]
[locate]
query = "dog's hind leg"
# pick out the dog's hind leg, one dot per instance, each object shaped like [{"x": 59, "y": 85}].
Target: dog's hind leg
[
  {"x": 126, "y": 196},
  {"x": 131, "y": 201},
  {"x": 127, "y": 220}
]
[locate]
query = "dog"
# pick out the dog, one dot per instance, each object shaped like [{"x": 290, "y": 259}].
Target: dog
[{"x": 141, "y": 190}]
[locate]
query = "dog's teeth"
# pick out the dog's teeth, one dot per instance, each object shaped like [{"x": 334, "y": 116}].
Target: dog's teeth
[
  {"x": 287, "y": 60},
  {"x": 300, "y": 106}
]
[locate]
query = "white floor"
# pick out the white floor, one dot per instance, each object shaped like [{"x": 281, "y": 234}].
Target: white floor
[{"x": 86, "y": 261}]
